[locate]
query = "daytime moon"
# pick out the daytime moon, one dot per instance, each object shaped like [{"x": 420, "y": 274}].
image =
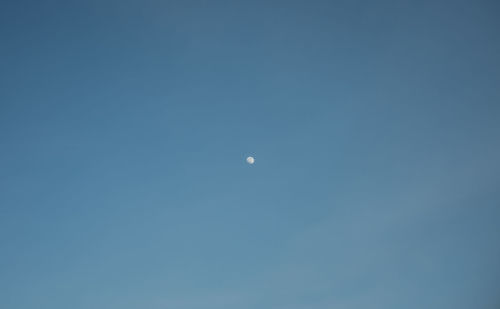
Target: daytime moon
[{"x": 250, "y": 160}]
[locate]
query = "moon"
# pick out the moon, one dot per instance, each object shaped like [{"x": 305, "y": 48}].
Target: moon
[{"x": 250, "y": 160}]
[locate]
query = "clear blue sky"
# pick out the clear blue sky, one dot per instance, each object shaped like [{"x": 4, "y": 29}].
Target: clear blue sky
[{"x": 124, "y": 127}]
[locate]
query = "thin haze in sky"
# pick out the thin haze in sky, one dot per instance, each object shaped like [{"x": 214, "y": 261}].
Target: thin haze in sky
[{"x": 125, "y": 126}]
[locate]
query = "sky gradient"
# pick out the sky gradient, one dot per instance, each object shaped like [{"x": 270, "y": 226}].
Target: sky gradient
[{"x": 124, "y": 128}]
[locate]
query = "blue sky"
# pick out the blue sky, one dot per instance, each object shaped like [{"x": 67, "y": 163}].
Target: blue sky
[{"x": 124, "y": 128}]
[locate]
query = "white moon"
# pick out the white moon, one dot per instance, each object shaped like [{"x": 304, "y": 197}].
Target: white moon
[{"x": 250, "y": 160}]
